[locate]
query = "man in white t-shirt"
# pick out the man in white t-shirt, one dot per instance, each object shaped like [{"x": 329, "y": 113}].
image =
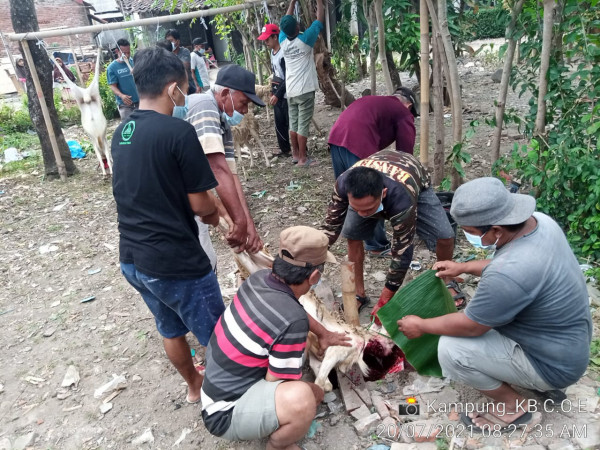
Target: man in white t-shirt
[
  {"x": 301, "y": 77},
  {"x": 270, "y": 35},
  {"x": 199, "y": 66}
]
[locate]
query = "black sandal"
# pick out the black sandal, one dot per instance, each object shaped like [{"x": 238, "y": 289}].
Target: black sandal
[
  {"x": 364, "y": 302},
  {"x": 460, "y": 299}
]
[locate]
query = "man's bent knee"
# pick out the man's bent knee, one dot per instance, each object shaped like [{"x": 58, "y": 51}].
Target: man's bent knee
[{"x": 295, "y": 399}]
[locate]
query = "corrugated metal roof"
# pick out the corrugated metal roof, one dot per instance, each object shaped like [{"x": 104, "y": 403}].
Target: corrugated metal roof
[{"x": 157, "y": 6}]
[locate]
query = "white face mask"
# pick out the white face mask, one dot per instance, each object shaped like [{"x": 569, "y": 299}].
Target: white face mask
[{"x": 475, "y": 241}]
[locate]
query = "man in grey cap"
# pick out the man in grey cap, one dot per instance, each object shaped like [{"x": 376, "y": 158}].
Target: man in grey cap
[
  {"x": 213, "y": 114},
  {"x": 529, "y": 323}
]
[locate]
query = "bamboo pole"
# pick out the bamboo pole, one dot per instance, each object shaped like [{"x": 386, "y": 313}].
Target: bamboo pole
[
  {"x": 62, "y": 171},
  {"x": 424, "y": 142},
  {"x": 349, "y": 293},
  {"x": 76, "y": 63},
  {"x": 35, "y": 35}
]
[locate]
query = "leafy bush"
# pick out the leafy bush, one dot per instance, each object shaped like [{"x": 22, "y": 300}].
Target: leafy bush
[
  {"x": 14, "y": 120},
  {"x": 487, "y": 22},
  {"x": 562, "y": 165},
  {"x": 109, "y": 104}
]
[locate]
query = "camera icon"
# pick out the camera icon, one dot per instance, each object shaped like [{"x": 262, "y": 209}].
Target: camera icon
[{"x": 410, "y": 407}]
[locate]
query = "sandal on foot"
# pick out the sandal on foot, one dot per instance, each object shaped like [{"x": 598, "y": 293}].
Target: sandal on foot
[
  {"x": 504, "y": 426},
  {"x": 364, "y": 302},
  {"x": 460, "y": 299},
  {"x": 309, "y": 163},
  {"x": 281, "y": 154},
  {"x": 387, "y": 253}
]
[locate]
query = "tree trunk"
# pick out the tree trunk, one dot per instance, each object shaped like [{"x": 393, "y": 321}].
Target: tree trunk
[
  {"x": 540, "y": 118},
  {"x": 424, "y": 75},
  {"x": 508, "y": 62},
  {"x": 394, "y": 74},
  {"x": 368, "y": 10},
  {"x": 378, "y": 7},
  {"x": 24, "y": 18},
  {"x": 439, "y": 158},
  {"x": 441, "y": 23}
]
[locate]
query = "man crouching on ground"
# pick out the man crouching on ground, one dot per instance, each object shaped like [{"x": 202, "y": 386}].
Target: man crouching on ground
[{"x": 254, "y": 359}]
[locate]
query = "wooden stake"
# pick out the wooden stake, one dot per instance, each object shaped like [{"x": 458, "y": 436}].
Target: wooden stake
[
  {"x": 424, "y": 25},
  {"x": 62, "y": 171},
  {"x": 81, "y": 83},
  {"x": 349, "y": 294}
]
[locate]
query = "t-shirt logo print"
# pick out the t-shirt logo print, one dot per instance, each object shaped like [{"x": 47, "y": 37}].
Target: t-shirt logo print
[{"x": 128, "y": 130}]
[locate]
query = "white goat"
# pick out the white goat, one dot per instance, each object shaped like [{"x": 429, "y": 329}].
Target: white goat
[
  {"x": 382, "y": 350},
  {"x": 92, "y": 118}
]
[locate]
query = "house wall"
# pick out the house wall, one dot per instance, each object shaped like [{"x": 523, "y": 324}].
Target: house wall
[{"x": 50, "y": 14}]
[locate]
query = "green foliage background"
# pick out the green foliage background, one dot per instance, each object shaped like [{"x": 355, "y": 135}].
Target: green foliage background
[{"x": 487, "y": 22}]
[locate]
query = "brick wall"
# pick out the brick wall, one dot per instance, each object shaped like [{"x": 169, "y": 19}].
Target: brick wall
[{"x": 50, "y": 14}]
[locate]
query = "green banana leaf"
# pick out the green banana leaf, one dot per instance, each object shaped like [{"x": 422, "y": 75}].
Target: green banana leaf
[{"x": 426, "y": 296}]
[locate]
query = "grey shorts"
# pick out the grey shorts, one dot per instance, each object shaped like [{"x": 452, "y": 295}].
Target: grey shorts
[
  {"x": 432, "y": 222},
  {"x": 254, "y": 414},
  {"x": 485, "y": 362},
  {"x": 301, "y": 110},
  {"x": 125, "y": 110}
]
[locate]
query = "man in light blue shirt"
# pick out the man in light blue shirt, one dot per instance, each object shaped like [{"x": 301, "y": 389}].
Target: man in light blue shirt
[
  {"x": 301, "y": 78},
  {"x": 120, "y": 80}
]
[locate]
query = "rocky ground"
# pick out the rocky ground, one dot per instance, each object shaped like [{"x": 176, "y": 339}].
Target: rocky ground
[{"x": 69, "y": 322}]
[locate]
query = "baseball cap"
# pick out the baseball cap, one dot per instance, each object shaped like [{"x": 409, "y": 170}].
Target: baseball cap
[
  {"x": 288, "y": 25},
  {"x": 485, "y": 201},
  {"x": 267, "y": 31},
  {"x": 240, "y": 79},
  {"x": 410, "y": 96},
  {"x": 306, "y": 245},
  {"x": 199, "y": 41}
]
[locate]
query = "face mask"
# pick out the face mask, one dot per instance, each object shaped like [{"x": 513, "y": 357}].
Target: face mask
[
  {"x": 475, "y": 241},
  {"x": 180, "y": 111},
  {"x": 314, "y": 286},
  {"x": 173, "y": 46},
  {"x": 201, "y": 51},
  {"x": 236, "y": 118},
  {"x": 379, "y": 208}
]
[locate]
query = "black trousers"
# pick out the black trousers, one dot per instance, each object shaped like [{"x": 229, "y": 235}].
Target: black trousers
[{"x": 282, "y": 125}]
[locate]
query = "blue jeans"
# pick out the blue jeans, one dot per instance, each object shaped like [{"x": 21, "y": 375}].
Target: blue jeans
[
  {"x": 180, "y": 305},
  {"x": 342, "y": 160}
]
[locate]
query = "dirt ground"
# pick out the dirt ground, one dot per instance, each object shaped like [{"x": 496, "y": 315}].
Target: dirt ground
[{"x": 64, "y": 304}]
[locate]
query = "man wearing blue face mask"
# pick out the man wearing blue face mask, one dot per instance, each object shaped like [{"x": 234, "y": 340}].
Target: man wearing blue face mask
[
  {"x": 529, "y": 323},
  {"x": 120, "y": 80},
  {"x": 213, "y": 114},
  {"x": 394, "y": 186},
  {"x": 161, "y": 180}
]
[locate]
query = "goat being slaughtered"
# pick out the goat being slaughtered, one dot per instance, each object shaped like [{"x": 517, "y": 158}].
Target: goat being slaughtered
[{"x": 374, "y": 354}]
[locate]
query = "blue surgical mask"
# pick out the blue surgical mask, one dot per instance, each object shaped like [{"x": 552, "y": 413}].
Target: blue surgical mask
[
  {"x": 236, "y": 117},
  {"x": 201, "y": 51},
  {"x": 475, "y": 241},
  {"x": 180, "y": 112},
  {"x": 314, "y": 286},
  {"x": 379, "y": 208},
  {"x": 173, "y": 46}
]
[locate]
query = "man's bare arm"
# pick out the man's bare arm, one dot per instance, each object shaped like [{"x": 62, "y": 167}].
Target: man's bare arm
[
  {"x": 290, "y": 10},
  {"x": 320, "y": 11}
]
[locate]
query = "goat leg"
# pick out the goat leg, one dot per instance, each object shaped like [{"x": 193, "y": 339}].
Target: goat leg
[{"x": 262, "y": 147}]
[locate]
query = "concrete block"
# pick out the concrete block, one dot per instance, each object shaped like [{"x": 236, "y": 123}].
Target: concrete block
[
  {"x": 365, "y": 425},
  {"x": 380, "y": 405},
  {"x": 361, "y": 412},
  {"x": 351, "y": 399}
]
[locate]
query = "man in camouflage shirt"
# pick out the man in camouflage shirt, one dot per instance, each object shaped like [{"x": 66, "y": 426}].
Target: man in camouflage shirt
[{"x": 395, "y": 186}]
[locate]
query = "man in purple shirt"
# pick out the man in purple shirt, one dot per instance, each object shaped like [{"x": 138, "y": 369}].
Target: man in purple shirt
[{"x": 368, "y": 125}]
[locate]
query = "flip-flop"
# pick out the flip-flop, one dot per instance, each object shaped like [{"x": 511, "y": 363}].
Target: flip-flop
[
  {"x": 504, "y": 426},
  {"x": 187, "y": 399},
  {"x": 387, "y": 253},
  {"x": 460, "y": 299},
  {"x": 281, "y": 155},
  {"x": 294, "y": 161},
  {"x": 309, "y": 163},
  {"x": 364, "y": 302}
]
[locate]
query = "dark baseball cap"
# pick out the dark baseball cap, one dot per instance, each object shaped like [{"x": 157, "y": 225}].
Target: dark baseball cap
[
  {"x": 410, "y": 96},
  {"x": 240, "y": 79}
]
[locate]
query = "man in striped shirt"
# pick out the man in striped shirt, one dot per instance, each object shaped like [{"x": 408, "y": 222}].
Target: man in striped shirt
[{"x": 254, "y": 359}]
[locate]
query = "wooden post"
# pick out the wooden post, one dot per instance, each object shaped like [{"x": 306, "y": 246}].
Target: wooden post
[
  {"x": 349, "y": 294},
  {"x": 81, "y": 83},
  {"x": 62, "y": 171},
  {"x": 424, "y": 25}
]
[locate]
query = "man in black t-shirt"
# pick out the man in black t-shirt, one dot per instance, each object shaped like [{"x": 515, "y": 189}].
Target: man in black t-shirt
[{"x": 161, "y": 179}]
